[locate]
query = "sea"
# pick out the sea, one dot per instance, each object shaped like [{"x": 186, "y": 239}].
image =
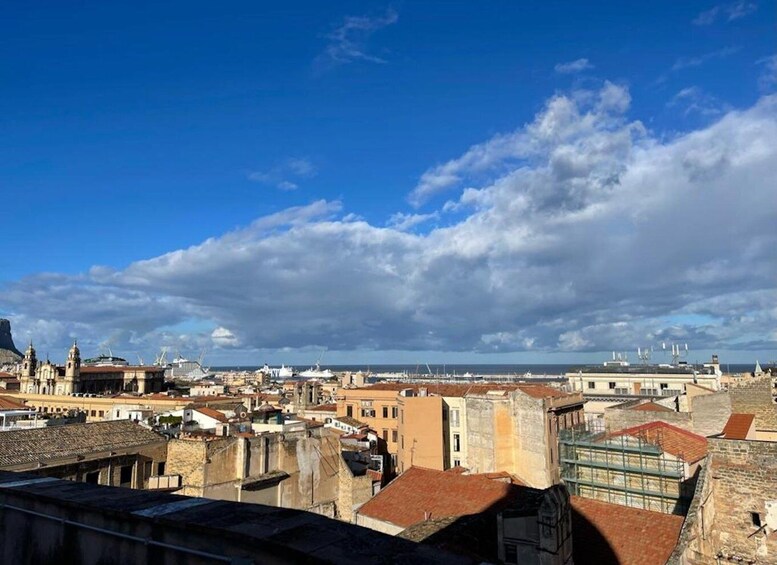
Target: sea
[{"x": 461, "y": 369}]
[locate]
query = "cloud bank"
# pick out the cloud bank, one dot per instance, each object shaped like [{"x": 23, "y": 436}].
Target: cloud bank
[{"x": 579, "y": 231}]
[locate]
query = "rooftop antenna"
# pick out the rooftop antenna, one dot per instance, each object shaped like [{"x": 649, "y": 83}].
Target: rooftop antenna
[
  {"x": 644, "y": 354},
  {"x": 678, "y": 353}
]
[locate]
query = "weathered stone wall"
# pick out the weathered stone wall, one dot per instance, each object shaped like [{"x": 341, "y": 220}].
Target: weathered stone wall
[
  {"x": 204, "y": 465},
  {"x": 741, "y": 477},
  {"x": 754, "y": 396},
  {"x": 710, "y": 412},
  {"x": 481, "y": 456},
  {"x": 532, "y": 448},
  {"x": 352, "y": 492},
  {"x": 620, "y": 419}
]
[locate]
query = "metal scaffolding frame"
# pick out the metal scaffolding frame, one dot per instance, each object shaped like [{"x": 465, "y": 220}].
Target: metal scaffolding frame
[{"x": 621, "y": 469}]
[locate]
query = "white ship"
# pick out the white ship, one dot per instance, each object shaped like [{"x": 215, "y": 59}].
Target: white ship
[
  {"x": 317, "y": 373},
  {"x": 278, "y": 373},
  {"x": 182, "y": 368}
]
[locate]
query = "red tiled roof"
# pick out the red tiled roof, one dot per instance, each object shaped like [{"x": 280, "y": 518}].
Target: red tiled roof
[
  {"x": 324, "y": 408},
  {"x": 8, "y": 403},
  {"x": 738, "y": 425},
  {"x": 215, "y": 414},
  {"x": 421, "y": 493},
  {"x": 652, "y": 407},
  {"x": 681, "y": 443},
  {"x": 462, "y": 389},
  {"x": 612, "y": 534}
]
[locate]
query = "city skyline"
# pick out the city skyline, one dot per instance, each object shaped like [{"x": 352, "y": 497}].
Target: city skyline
[{"x": 391, "y": 182}]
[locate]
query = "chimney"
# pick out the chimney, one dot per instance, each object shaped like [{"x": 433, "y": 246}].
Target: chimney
[{"x": 423, "y": 391}]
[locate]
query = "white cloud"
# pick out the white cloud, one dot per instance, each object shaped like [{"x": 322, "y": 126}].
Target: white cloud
[
  {"x": 575, "y": 66},
  {"x": 732, "y": 11},
  {"x": 403, "y": 222},
  {"x": 222, "y": 337},
  {"x": 581, "y": 230},
  {"x": 767, "y": 81},
  {"x": 698, "y": 60},
  {"x": 347, "y": 43},
  {"x": 278, "y": 175},
  {"x": 694, "y": 100}
]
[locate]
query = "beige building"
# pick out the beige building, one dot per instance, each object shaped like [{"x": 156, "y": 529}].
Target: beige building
[
  {"x": 484, "y": 427},
  {"x": 619, "y": 378},
  {"x": 47, "y": 378}
]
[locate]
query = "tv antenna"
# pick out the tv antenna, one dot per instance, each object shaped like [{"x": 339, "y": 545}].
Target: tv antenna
[{"x": 644, "y": 354}]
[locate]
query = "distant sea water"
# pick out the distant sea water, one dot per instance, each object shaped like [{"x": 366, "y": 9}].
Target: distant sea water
[{"x": 460, "y": 369}]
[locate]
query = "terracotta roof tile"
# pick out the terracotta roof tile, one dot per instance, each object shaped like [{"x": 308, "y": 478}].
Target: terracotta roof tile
[
  {"x": 738, "y": 426},
  {"x": 612, "y": 534},
  {"x": 22, "y": 447},
  {"x": 652, "y": 407},
  {"x": 9, "y": 403},
  {"x": 210, "y": 412},
  {"x": 681, "y": 443},
  {"x": 421, "y": 493}
]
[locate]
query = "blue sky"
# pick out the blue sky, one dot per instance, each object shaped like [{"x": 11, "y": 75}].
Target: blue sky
[{"x": 138, "y": 130}]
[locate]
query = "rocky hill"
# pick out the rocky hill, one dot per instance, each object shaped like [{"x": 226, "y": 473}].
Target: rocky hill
[{"x": 8, "y": 352}]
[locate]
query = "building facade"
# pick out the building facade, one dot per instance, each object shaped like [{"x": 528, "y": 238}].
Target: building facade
[{"x": 72, "y": 378}]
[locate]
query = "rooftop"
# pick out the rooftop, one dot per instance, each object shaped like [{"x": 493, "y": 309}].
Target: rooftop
[
  {"x": 684, "y": 445},
  {"x": 652, "y": 407},
  {"x": 243, "y": 532},
  {"x": 9, "y": 403},
  {"x": 612, "y": 534},
  {"x": 211, "y": 413},
  {"x": 26, "y": 447},
  {"x": 421, "y": 494},
  {"x": 738, "y": 425},
  {"x": 462, "y": 389},
  {"x": 351, "y": 421}
]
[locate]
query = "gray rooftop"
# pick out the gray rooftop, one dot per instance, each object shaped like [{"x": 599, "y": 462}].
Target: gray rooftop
[
  {"x": 22, "y": 447},
  {"x": 253, "y": 533}
]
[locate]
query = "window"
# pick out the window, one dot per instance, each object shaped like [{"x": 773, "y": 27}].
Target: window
[
  {"x": 385, "y": 411},
  {"x": 160, "y": 468},
  {"x": 394, "y": 411},
  {"x": 755, "y": 517},
  {"x": 394, "y": 436},
  {"x": 368, "y": 413},
  {"x": 385, "y": 435},
  {"x": 591, "y": 384},
  {"x": 349, "y": 411},
  {"x": 511, "y": 553},
  {"x": 403, "y": 441},
  {"x": 401, "y": 416},
  {"x": 456, "y": 442},
  {"x": 147, "y": 469},
  {"x": 664, "y": 386},
  {"x": 101, "y": 413},
  {"x": 92, "y": 478},
  {"x": 454, "y": 417},
  {"x": 93, "y": 413},
  {"x": 125, "y": 476},
  {"x": 117, "y": 413},
  {"x": 457, "y": 462},
  {"x": 612, "y": 385}
]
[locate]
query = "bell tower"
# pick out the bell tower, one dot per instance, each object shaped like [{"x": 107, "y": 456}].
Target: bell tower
[
  {"x": 73, "y": 367},
  {"x": 30, "y": 362}
]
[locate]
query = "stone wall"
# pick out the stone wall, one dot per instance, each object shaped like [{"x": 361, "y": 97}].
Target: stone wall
[
  {"x": 216, "y": 468},
  {"x": 619, "y": 418},
  {"x": 353, "y": 491},
  {"x": 754, "y": 396},
  {"x": 710, "y": 412},
  {"x": 532, "y": 448},
  {"x": 740, "y": 477},
  {"x": 481, "y": 453}
]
